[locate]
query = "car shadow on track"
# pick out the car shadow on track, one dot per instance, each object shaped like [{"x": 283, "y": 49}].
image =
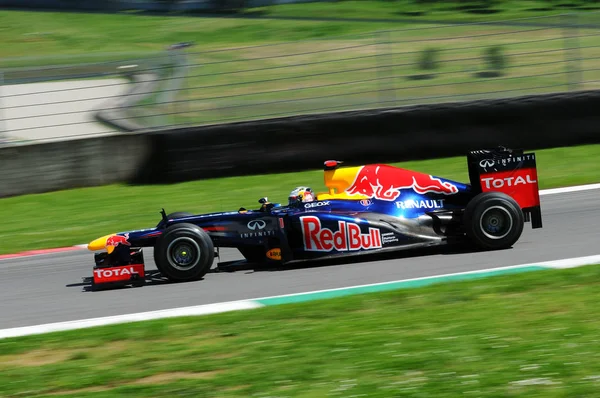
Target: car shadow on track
[
  {"x": 238, "y": 266},
  {"x": 154, "y": 277}
]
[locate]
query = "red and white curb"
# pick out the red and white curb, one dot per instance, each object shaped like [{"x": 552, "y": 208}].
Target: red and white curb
[{"x": 41, "y": 252}]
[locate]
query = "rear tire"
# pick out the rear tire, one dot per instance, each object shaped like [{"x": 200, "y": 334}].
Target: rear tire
[
  {"x": 184, "y": 253},
  {"x": 493, "y": 221}
]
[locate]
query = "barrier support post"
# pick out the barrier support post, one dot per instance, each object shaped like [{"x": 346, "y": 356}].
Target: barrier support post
[{"x": 571, "y": 50}]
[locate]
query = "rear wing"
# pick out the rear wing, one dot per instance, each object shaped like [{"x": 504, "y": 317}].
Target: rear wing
[{"x": 510, "y": 171}]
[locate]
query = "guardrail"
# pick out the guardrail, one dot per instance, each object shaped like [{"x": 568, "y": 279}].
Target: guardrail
[
  {"x": 256, "y": 147},
  {"x": 69, "y": 97}
]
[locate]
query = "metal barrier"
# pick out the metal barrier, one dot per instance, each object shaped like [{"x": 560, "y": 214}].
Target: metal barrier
[{"x": 421, "y": 64}]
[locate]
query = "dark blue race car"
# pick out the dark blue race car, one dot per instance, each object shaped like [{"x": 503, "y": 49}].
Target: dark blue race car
[{"x": 367, "y": 209}]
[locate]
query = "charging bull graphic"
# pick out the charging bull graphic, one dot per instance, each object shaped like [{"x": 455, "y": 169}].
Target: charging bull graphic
[
  {"x": 116, "y": 240},
  {"x": 385, "y": 182}
]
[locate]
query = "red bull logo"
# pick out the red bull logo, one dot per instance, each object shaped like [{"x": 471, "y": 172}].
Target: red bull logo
[
  {"x": 348, "y": 237},
  {"x": 117, "y": 240},
  {"x": 385, "y": 182}
]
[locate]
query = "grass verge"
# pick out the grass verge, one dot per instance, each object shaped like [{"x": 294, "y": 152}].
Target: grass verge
[
  {"x": 53, "y": 33},
  {"x": 404, "y": 10},
  {"x": 34, "y": 34},
  {"x": 502, "y": 336},
  {"x": 77, "y": 216}
]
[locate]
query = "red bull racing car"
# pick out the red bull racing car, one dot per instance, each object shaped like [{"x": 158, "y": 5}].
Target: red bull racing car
[{"x": 366, "y": 209}]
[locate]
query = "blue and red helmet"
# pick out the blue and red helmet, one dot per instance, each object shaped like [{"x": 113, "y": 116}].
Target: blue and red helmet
[{"x": 301, "y": 195}]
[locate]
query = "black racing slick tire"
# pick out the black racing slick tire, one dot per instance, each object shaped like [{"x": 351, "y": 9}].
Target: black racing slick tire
[
  {"x": 176, "y": 214},
  {"x": 493, "y": 221},
  {"x": 184, "y": 252}
]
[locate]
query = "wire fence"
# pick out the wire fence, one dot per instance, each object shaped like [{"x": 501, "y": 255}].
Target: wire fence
[{"x": 417, "y": 65}]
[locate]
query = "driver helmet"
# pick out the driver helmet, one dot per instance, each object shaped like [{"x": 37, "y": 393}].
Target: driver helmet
[{"x": 301, "y": 195}]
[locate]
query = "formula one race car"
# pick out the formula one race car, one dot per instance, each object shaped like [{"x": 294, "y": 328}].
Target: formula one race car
[{"x": 367, "y": 209}]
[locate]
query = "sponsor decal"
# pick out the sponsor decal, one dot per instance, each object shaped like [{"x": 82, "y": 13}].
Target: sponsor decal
[
  {"x": 366, "y": 202},
  {"x": 348, "y": 237},
  {"x": 505, "y": 163},
  {"x": 281, "y": 224},
  {"x": 421, "y": 204},
  {"x": 257, "y": 234},
  {"x": 388, "y": 237},
  {"x": 385, "y": 182},
  {"x": 117, "y": 240},
  {"x": 274, "y": 254},
  {"x": 485, "y": 163},
  {"x": 521, "y": 184},
  {"x": 117, "y": 274},
  {"x": 256, "y": 224},
  {"x": 316, "y": 204},
  {"x": 493, "y": 182}
]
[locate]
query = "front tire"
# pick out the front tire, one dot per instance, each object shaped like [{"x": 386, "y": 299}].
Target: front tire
[
  {"x": 177, "y": 214},
  {"x": 493, "y": 221},
  {"x": 184, "y": 252}
]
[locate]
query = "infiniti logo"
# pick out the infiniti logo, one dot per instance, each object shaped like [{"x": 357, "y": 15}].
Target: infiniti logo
[
  {"x": 485, "y": 163},
  {"x": 256, "y": 224}
]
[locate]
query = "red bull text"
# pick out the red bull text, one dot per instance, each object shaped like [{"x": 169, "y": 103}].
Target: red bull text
[
  {"x": 348, "y": 237},
  {"x": 385, "y": 182}
]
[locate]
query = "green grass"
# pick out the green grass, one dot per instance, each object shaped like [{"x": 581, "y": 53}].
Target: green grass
[
  {"x": 424, "y": 10},
  {"x": 436, "y": 341},
  {"x": 53, "y": 33},
  {"x": 77, "y": 216},
  {"x": 27, "y": 33}
]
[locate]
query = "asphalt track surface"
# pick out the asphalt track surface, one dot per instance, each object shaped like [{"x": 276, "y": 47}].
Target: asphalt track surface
[{"x": 49, "y": 288}]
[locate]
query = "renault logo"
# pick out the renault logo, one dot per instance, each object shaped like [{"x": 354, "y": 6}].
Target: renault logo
[{"x": 256, "y": 224}]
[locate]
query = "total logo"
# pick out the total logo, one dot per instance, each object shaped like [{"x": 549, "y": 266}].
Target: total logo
[
  {"x": 316, "y": 204},
  {"x": 348, "y": 237},
  {"x": 421, "y": 204},
  {"x": 112, "y": 272},
  {"x": 507, "y": 181}
]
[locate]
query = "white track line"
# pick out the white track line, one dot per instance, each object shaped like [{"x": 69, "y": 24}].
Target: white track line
[
  {"x": 576, "y": 188},
  {"x": 572, "y": 262},
  {"x": 141, "y": 316}
]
